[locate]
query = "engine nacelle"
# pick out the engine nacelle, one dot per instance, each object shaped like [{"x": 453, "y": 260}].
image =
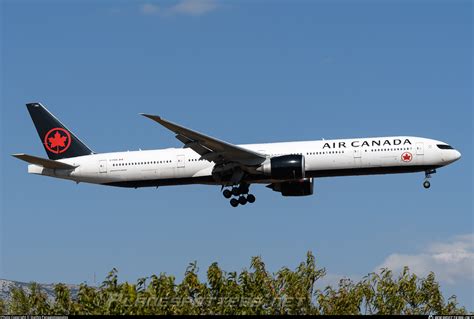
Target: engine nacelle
[
  {"x": 295, "y": 188},
  {"x": 284, "y": 167}
]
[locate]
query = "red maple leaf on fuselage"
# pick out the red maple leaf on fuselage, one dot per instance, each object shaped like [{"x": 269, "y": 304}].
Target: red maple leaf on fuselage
[
  {"x": 406, "y": 157},
  {"x": 57, "y": 140}
]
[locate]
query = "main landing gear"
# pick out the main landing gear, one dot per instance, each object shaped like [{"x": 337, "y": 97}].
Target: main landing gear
[
  {"x": 241, "y": 194},
  {"x": 426, "y": 183}
]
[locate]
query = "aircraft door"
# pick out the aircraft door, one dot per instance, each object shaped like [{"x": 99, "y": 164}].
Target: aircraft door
[
  {"x": 357, "y": 157},
  {"x": 180, "y": 161},
  {"x": 103, "y": 166},
  {"x": 420, "y": 148}
]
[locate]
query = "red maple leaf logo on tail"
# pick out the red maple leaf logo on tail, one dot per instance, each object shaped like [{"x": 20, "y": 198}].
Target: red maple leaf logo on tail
[{"x": 57, "y": 140}]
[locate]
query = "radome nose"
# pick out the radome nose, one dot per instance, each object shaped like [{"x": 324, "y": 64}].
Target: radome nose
[{"x": 457, "y": 155}]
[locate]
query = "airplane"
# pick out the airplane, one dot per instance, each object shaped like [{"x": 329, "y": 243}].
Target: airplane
[{"x": 288, "y": 167}]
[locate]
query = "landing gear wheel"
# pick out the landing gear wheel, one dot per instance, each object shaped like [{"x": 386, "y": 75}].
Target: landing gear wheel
[
  {"x": 426, "y": 184},
  {"x": 242, "y": 200},
  {"x": 235, "y": 191},
  {"x": 234, "y": 202},
  {"x": 227, "y": 193},
  {"x": 250, "y": 198}
]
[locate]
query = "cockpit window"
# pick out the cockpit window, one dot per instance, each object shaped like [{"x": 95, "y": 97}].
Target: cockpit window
[{"x": 444, "y": 146}]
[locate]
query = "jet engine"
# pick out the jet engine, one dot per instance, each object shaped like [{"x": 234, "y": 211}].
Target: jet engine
[
  {"x": 295, "y": 188},
  {"x": 284, "y": 167}
]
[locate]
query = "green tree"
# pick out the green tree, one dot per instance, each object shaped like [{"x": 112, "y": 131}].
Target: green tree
[
  {"x": 19, "y": 302},
  {"x": 3, "y": 307},
  {"x": 252, "y": 291}
]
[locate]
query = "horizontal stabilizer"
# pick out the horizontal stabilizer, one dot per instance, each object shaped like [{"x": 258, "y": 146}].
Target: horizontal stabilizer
[{"x": 46, "y": 163}]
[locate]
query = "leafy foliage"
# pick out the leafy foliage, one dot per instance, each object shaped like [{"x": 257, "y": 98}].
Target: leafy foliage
[{"x": 253, "y": 291}]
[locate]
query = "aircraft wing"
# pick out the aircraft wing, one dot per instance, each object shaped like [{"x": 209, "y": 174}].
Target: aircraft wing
[
  {"x": 46, "y": 163},
  {"x": 208, "y": 147}
]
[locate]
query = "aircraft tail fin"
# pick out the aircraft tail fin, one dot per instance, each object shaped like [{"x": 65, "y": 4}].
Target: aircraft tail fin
[{"x": 58, "y": 141}]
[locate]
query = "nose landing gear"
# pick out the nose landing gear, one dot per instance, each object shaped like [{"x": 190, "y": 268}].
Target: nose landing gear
[
  {"x": 241, "y": 194},
  {"x": 426, "y": 183}
]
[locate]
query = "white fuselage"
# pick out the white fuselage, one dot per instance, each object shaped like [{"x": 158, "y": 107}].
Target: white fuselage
[{"x": 178, "y": 166}]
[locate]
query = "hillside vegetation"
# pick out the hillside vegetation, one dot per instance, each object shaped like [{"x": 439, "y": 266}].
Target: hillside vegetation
[{"x": 252, "y": 291}]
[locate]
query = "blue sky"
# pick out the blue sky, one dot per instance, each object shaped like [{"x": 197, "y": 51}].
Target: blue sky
[{"x": 244, "y": 72}]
